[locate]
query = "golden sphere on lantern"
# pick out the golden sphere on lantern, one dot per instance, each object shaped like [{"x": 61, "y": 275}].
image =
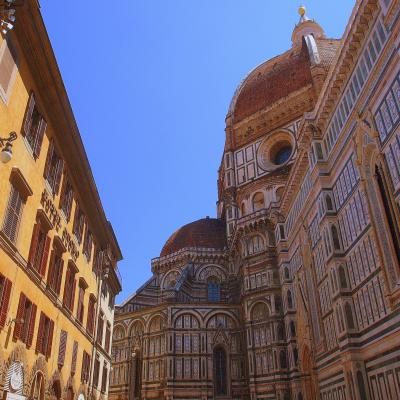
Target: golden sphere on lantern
[{"x": 302, "y": 10}]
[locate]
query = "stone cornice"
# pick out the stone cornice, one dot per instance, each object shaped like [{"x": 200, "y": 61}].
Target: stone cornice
[{"x": 187, "y": 255}]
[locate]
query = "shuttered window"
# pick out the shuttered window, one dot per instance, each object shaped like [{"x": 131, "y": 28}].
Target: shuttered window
[
  {"x": 85, "y": 367},
  {"x": 81, "y": 308},
  {"x": 13, "y": 214},
  {"x": 25, "y": 320},
  {"x": 5, "y": 291},
  {"x": 88, "y": 244},
  {"x": 79, "y": 223},
  {"x": 69, "y": 288},
  {"x": 74, "y": 357},
  {"x": 39, "y": 250},
  {"x": 53, "y": 169},
  {"x": 90, "y": 317},
  {"x": 66, "y": 198},
  {"x": 7, "y": 68},
  {"x": 108, "y": 338},
  {"x": 96, "y": 373},
  {"x": 34, "y": 126},
  {"x": 44, "y": 339},
  {"x": 62, "y": 348},
  {"x": 104, "y": 378},
  {"x": 54, "y": 276},
  {"x": 100, "y": 329}
]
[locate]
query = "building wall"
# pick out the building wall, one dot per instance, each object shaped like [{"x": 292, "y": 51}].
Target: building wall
[{"x": 26, "y": 171}]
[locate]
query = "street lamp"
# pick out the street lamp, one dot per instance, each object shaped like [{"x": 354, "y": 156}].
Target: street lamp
[{"x": 6, "y": 153}]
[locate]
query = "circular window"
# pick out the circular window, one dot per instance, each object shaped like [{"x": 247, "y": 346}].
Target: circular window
[
  {"x": 275, "y": 151},
  {"x": 280, "y": 153}
]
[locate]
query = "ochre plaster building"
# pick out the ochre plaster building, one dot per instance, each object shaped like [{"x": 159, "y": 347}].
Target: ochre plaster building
[
  {"x": 293, "y": 291},
  {"x": 58, "y": 252}
]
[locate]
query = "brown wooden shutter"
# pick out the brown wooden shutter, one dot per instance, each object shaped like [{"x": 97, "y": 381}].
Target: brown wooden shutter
[
  {"x": 39, "y": 137},
  {"x": 50, "y": 152},
  {"x": 31, "y": 328},
  {"x": 75, "y": 227},
  {"x": 67, "y": 288},
  {"x": 20, "y": 314},
  {"x": 52, "y": 270},
  {"x": 62, "y": 348},
  {"x": 40, "y": 335},
  {"x": 90, "y": 317},
  {"x": 72, "y": 301},
  {"x": 108, "y": 337},
  {"x": 5, "y": 301},
  {"x": 28, "y": 114},
  {"x": 74, "y": 357},
  {"x": 34, "y": 244},
  {"x": 60, "y": 168},
  {"x": 59, "y": 272},
  {"x": 50, "y": 340},
  {"x": 45, "y": 256}
]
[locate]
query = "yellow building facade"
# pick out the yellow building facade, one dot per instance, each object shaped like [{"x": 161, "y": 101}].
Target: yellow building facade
[{"x": 57, "y": 247}]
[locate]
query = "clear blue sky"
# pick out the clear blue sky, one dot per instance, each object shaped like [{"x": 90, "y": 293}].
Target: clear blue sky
[{"x": 150, "y": 82}]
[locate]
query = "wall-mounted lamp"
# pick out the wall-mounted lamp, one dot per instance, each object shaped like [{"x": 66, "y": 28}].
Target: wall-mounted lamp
[{"x": 6, "y": 153}]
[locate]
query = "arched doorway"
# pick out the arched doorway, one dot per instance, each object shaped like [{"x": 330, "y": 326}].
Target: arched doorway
[{"x": 220, "y": 372}]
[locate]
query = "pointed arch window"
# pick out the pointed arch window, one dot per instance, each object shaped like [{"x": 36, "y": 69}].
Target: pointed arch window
[
  {"x": 335, "y": 237},
  {"x": 349, "y": 316},
  {"x": 220, "y": 368}
]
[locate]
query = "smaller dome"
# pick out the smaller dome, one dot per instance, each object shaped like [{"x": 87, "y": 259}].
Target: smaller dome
[{"x": 207, "y": 232}]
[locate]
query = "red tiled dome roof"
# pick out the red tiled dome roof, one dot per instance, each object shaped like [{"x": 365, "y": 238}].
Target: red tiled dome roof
[
  {"x": 206, "y": 232},
  {"x": 278, "y": 77}
]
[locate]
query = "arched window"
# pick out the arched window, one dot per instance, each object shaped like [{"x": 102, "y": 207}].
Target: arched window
[
  {"x": 243, "y": 209},
  {"x": 283, "y": 359},
  {"x": 255, "y": 244},
  {"x": 286, "y": 273},
  {"x": 289, "y": 299},
  {"x": 335, "y": 237},
  {"x": 329, "y": 203},
  {"x": 349, "y": 316},
  {"x": 342, "y": 277},
  {"x": 389, "y": 212},
  {"x": 213, "y": 290},
  {"x": 37, "y": 388},
  {"x": 220, "y": 368},
  {"x": 292, "y": 328},
  {"x": 258, "y": 201}
]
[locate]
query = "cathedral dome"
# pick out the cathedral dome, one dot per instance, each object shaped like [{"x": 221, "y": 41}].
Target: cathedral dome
[
  {"x": 284, "y": 74},
  {"x": 206, "y": 232}
]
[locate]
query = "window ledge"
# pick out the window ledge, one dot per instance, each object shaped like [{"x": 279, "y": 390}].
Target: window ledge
[{"x": 20, "y": 182}]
